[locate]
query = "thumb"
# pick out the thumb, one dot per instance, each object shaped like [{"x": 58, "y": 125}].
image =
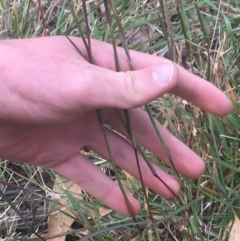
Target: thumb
[{"x": 130, "y": 89}]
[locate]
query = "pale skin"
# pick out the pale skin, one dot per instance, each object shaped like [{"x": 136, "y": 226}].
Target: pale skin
[{"x": 48, "y": 99}]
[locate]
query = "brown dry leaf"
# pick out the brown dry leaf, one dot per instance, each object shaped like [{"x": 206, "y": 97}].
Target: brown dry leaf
[
  {"x": 58, "y": 222},
  {"x": 130, "y": 180},
  {"x": 227, "y": 231},
  {"x": 235, "y": 231},
  {"x": 104, "y": 211},
  {"x": 196, "y": 111}
]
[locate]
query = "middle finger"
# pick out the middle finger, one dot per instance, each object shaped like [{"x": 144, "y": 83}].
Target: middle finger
[{"x": 124, "y": 157}]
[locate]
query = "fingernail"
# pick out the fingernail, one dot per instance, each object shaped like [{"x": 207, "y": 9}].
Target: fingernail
[{"x": 163, "y": 73}]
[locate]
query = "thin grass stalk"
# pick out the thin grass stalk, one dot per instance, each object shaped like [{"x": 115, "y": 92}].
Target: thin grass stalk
[
  {"x": 88, "y": 32},
  {"x": 3, "y": 4},
  {"x": 11, "y": 204},
  {"x": 124, "y": 42},
  {"x": 99, "y": 113},
  {"x": 215, "y": 26},
  {"x": 42, "y": 14},
  {"x": 150, "y": 115},
  {"x": 117, "y": 63},
  {"x": 133, "y": 140},
  {"x": 148, "y": 162},
  {"x": 132, "y": 68},
  {"x": 127, "y": 116},
  {"x": 206, "y": 40},
  {"x": 55, "y": 202},
  {"x": 180, "y": 209},
  {"x": 76, "y": 47},
  {"x": 104, "y": 230},
  {"x": 28, "y": 191},
  {"x": 45, "y": 29},
  {"x": 87, "y": 237},
  {"x": 162, "y": 140},
  {"x": 233, "y": 39},
  {"x": 102, "y": 123},
  {"x": 168, "y": 30},
  {"x": 25, "y": 14},
  {"x": 60, "y": 18},
  {"x": 164, "y": 32},
  {"x": 81, "y": 218},
  {"x": 185, "y": 27},
  {"x": 79, "y": 27}
]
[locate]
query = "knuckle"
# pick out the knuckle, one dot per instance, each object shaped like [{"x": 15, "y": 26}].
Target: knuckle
[
  {"x": 87, "y": 180},
  {"x": 131, "y": 90},
  {"x": 108, "y": 193}
]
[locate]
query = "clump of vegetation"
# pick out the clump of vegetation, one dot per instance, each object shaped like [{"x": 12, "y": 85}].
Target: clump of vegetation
[{"x": 201, "y": 36}]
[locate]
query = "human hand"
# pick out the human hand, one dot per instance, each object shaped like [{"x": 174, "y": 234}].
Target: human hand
[{"x": 48, "y": 99}]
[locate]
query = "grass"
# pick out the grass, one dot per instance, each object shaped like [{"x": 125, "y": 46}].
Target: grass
[{"x": 205, "y": 36}]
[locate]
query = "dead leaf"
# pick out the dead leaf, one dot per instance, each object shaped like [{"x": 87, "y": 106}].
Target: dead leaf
[
  {"x": 235, "y": 231},
  {"x": 227, "y": 231},
  {"x": 196, "y": 111},
  {"x": 58, "y": 222},
  {"x": 104, "y": 211}
]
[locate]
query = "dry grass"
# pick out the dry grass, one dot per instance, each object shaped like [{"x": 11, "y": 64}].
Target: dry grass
[{"x": 206, "y": 42}]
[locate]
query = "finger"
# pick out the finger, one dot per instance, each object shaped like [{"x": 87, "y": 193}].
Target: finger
[
  {"x": 106, "y": 88},
  {"x": 189, "y": 86},
  {"x": 201, "y": 93},
  {"x": 185, "y": 160},
  {"x": 124, "y": 157},
  {"x": 89, "y": 177}
]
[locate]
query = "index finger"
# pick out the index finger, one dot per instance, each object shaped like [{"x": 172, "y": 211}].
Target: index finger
[{"x": 189, "y": 86}]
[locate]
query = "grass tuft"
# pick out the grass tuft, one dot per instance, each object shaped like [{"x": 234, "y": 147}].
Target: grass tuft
[{"x": 203, "y": 37}]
